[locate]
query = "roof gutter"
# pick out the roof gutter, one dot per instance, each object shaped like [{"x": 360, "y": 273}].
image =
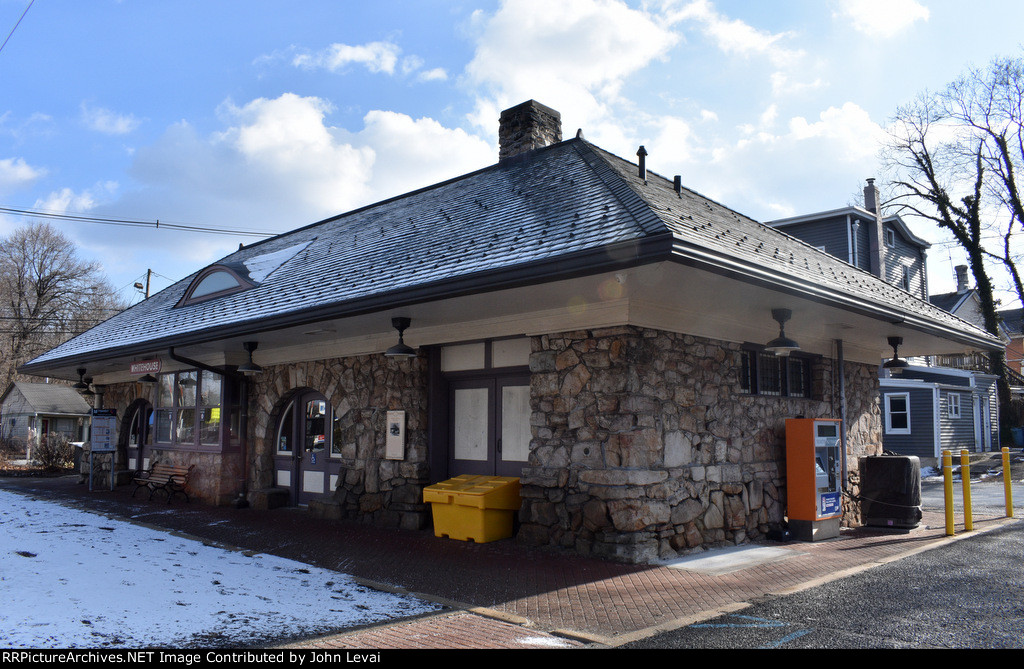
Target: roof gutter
[{"x": 703, "y": 258}]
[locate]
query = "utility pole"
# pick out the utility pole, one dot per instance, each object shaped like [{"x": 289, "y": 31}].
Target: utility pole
[{"x": 138, "y": 286}]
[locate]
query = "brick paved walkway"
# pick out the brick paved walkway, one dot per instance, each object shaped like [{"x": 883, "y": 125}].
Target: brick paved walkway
[{"x": 501, "y": 595}]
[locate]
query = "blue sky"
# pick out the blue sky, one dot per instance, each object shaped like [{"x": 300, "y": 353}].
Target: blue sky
[{"x": 266, "y": 116}]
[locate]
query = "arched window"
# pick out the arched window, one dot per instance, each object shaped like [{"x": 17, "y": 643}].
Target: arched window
[{"x": 214, "y": 281}]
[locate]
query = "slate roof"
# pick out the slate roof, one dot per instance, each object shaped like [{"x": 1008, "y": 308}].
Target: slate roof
[
  {"x": 49, "y": 398},
  {"x": 949, "y": 301},
  {"x": 548, "y": 214},
  {"x": 1012, "y": 321}
]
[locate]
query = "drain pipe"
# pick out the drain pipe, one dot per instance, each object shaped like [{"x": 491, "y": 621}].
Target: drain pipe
[
  {"x": 842, "y": 404},
  {"x": 243, "y": 419}
]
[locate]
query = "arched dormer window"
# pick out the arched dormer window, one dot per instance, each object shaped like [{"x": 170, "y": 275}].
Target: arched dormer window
[{"x": 214, "y": 281}]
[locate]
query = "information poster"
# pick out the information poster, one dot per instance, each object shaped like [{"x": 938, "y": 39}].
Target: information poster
[{"x": 104, "y": 430}]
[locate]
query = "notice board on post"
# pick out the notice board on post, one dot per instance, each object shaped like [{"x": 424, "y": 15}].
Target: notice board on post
[
  {"x": 104, "y": 430},
  {"x": 103, "y": 440}
]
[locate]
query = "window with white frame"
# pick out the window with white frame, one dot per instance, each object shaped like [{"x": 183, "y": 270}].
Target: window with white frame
[
  {"x": 897, "y": 413},
  {"x": 953, "y": 405}
]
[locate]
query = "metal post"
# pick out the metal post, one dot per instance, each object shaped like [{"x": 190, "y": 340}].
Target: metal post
[
  {"x": 965, "y": 478},
  {"x": 947, "y": 479},
  {"x": 1007, "y": 489}
]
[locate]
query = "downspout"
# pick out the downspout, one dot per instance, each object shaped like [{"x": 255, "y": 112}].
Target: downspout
[
  {"x": 243, "y": 419},
  {"x": 842, "y": 405},
  {"x": 851, "y": 241}
]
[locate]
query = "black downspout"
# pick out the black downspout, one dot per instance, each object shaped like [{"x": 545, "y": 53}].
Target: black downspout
[{"x": 842, "y": 406}]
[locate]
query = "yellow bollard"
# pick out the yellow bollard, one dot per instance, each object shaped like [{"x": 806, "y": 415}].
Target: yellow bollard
[
  {"x": 965, "y": 477},
  {"x": 947, "y": 478},
  {"x": 1006, "y": 482}
]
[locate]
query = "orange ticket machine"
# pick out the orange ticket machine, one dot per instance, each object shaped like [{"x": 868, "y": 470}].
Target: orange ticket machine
[{"x": 814, "y": 461}]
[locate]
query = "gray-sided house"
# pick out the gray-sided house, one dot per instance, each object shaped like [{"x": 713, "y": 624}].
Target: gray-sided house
[
  {"x": 881, "y": 245},
  {"x": 922, "y": 406},
  {"x": 565, "y": 316},
  {"x": 927, "y": 410},
  {"x": 29, "y": 412}
]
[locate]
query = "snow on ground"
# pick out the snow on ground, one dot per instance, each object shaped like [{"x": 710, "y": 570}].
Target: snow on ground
[{"x": 73, "y": 579}]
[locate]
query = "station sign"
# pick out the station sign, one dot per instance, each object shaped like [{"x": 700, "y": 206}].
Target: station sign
[{"x": 145, "y": 367}]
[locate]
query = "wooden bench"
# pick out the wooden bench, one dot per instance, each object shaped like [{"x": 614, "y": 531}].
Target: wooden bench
[{"x": 171, "y": 479}]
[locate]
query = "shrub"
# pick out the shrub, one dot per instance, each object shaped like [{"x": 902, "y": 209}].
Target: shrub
[{"x": 56, "y": 452}]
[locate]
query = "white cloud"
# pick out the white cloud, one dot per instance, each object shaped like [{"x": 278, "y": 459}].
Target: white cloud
[
  {"x": 66, "y": 200},
  {"x": 108, "y": 122},
  {"x": 734, "y": 36},
  {"x": 781, "y": 167},
  {"x": 848, "y": 128},
  {"x": 15, "y": 173},
  {"x": 374, "y": 56},
  {"x": 276, "y": 164},
  {"x": 435, "y": 74},
  {"x": 279, "y": 163},
  {"x": 572, "y": 55},
  {"x": 708, "y": 115},
  {"x": 783, "y": 85},
  {"x": 413, "y": 153},
  {"x": 882, "y": 18}
]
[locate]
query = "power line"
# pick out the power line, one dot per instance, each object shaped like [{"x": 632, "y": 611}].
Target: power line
[
  {"x": 16, "y": 25},
  {"x": 127, "y": 222}
]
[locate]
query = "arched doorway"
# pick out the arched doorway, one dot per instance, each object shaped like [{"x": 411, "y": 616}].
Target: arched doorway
[
  {"x": 139, "y": 439},
  {"x": 303, "y": 447}
]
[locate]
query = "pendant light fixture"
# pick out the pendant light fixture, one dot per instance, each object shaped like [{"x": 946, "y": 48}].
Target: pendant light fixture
[
  {"x": 250, "y": 368},
  {"x": 782, "y": 345},
  {"x": 897, "y": 362},
  {"x": 400, "y": 350}
]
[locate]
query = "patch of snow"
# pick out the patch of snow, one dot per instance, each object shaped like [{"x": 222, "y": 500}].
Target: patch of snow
[
  {"x": 543, "y": 641},
  {"x": 261, "y": 266},
  {"x": 73, "y": 579}
]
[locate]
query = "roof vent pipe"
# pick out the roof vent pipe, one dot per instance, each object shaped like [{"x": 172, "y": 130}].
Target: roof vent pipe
[
  {"x": 642, "y": 154},
  {"x": 677, "y": 184}
]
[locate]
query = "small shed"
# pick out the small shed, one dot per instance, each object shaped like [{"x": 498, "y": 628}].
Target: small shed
[{"x": 31, "y": 411}]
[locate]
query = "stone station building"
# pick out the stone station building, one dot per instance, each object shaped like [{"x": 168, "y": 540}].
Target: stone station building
[{"x": 575, "y": 320}]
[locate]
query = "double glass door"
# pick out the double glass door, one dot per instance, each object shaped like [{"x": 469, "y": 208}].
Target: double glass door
[
  {"x": 303, "y": 455},
  {"x": 489, "y": 426}
]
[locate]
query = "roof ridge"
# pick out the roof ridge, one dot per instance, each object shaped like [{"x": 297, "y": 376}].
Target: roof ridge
[{"x": 638, "y": 207}]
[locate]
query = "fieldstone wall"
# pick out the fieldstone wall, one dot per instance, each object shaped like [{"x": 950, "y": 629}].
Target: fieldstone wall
[
  {"x": 645, "y": 447},
  {"x": 361, "y": 390}
]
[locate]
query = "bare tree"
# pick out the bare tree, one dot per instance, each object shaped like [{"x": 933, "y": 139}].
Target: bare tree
[
  {"x": 954, "y": 158},
  {"x": 48, "y": 294}
]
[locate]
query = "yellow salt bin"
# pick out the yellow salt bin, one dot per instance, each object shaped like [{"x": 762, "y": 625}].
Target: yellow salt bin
[{"x": 474, "y": 508}]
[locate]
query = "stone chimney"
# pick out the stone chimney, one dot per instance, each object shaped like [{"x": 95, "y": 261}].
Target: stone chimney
[
  {"x": 527, "y": 126},
  {"x": 961, "y": 278}
]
